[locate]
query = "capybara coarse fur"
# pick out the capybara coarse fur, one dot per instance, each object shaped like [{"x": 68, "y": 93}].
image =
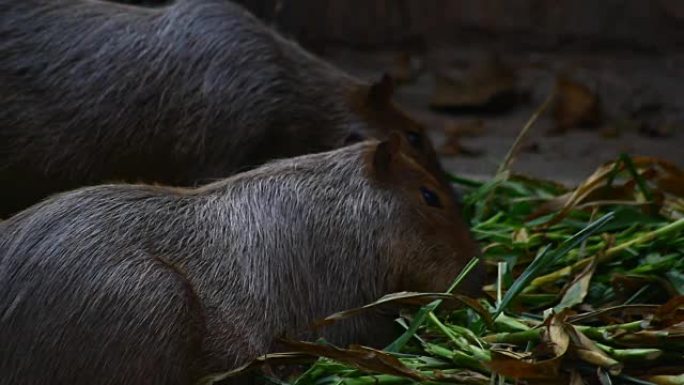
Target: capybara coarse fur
[
  {"x": 137, "y": 285},
  {"x": 94, "y": 92}
]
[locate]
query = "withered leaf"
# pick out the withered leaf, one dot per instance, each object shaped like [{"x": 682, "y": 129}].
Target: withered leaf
[
  {"x": 576, "y": 105},
  {"x": 360, "y": 357},
  {"x": 554, "y": 339},
  {"x": 670, "y": 313},
  {"x": 474, "y": 127},
  {"x": 407, "y": 298},
  {"x": 578, "y": 288},
  {"x": 586, "y": 350},
  {"x": 487, "y": 84},
  {"x": 273, "y": 358}
]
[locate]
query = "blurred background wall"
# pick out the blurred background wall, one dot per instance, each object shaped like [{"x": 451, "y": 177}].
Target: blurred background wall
[{"x": 642, "y": 24}]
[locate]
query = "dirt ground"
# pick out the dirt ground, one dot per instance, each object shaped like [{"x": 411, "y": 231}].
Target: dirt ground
[{"x": 641, "y": 99}]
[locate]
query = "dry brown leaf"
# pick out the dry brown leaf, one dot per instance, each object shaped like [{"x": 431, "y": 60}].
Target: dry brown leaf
[
  {"x": 670, "y": 313},
  {"x": 489, "y": 83},
  {"x": 577, "y": 289},
  {"x": 360, "y": 357},
  {"x": 666, "y": 176},
  {"x": 565, "y": 203},
  {"x": 586, "y": 350},
  {"x": 286, "y": 358},
  {"x": 508, "y": 366},
  {"x": 555, "y": 342},
  {"x": 672, "y": 184},
  {"x": 407, "y": 298},
  {"x": 404, "y": 297},
  {"x": 453, "y": 147},
  {"x": 575, "y": 105},
  {"x": 474, "y": 127}
]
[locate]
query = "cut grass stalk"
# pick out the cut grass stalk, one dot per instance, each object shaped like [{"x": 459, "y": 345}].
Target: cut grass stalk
[
  {"x": 607, "y": 256},
  {"x": 459, "y": 340},
  {"x": 631, "y": 354},
  {"x": 545, "y": 258},
  {"x": 601, "y": 333}
]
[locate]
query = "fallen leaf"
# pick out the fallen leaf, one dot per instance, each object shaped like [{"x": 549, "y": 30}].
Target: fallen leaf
[
  {"x": 474, "y": 127},
  {"x": 514, "y": 367},
  {"x": 360, "y": 357},
  {"x": 453, "y": 147},
  {"x": 576, "y": 105},
  {"x": 670, "y": 313},
  {"x": 286, "y": 358},
  {"x": 586, "y": 350},
  {"x": 407, "y": 298},
  {"x": 487, "y": 85},
  {"x": 671, "y": 183},
  {"x": 578, "y": 288},
  {"x": 555, "y": 342},
  {"x": 596, "y": 189}
]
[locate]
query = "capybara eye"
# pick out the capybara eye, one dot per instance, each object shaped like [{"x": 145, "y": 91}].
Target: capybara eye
[
  {"x": 414, "y": 138},
  {"x": 352, "y": 138},
  {"x": 430, "y": 197}
]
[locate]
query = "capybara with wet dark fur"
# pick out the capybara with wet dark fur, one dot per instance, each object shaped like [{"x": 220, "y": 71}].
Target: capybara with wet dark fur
[
  {"x": 136, "y": 284},
  {"x": 94, "y": 92}
]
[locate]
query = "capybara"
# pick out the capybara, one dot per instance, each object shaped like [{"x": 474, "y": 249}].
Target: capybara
[
  {"x": 138, "y": 284},
  {"x": 94, "y": 92}
]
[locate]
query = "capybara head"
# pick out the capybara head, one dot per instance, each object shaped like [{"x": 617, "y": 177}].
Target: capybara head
[
  {"x": 435, "y": 243},
  {"x": 383, "y": 116}
]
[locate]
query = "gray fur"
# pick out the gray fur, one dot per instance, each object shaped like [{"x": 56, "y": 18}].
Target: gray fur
[
  {"x": 135, "y": 284},
  {"x": 96, "y": 92}
]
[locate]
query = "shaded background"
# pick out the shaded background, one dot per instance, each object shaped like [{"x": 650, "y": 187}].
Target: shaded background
[{"x": 645, "y": 24}]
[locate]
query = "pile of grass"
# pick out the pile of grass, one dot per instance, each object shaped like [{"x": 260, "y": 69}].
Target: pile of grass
[{"x": 587, "y": 286}]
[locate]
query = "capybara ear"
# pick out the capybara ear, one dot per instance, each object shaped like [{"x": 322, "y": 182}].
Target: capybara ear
[
  {"x": 381, "y": 92},
  {"x": 386, "y": 154}
]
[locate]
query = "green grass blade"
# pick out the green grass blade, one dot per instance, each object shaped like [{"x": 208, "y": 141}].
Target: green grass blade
[{"x": 545, "y": 258}]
